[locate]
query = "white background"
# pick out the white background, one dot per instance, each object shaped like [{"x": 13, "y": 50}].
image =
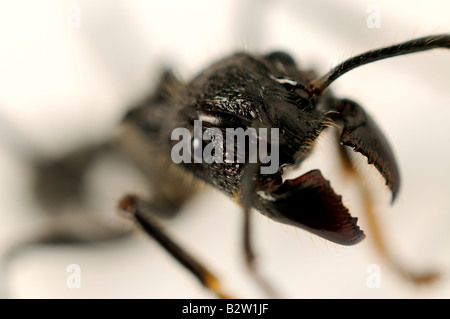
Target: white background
[{"x": 61, "y": 87}]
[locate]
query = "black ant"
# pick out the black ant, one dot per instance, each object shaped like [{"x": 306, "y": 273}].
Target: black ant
[
  {"x": 249, "y": 91},
  {"x": 245, "y": 91}
]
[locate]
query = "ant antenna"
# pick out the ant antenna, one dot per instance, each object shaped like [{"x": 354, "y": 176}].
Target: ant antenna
[{"x": 318, "y": 86}]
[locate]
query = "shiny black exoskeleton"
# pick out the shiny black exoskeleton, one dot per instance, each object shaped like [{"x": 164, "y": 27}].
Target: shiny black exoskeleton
[{"x": 269, "y": 91}]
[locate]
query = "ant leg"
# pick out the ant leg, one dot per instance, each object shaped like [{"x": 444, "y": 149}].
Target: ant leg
[
  {"x": 424, "y": 277},
  {"x": 249, "y": 187},
  {"x": 250, "y": 257},
  {"x": 140, "y": 210}
]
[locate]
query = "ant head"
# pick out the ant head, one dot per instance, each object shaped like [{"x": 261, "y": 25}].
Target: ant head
[{"x": 258, "y": 91}]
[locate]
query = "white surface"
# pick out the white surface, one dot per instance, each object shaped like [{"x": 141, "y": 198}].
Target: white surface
[{"x": 60, "y": 87}]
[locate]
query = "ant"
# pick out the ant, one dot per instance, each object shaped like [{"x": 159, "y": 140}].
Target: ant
[
  {"x": 249, "y": 91},
  {"x": 270, "y": 91}
]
